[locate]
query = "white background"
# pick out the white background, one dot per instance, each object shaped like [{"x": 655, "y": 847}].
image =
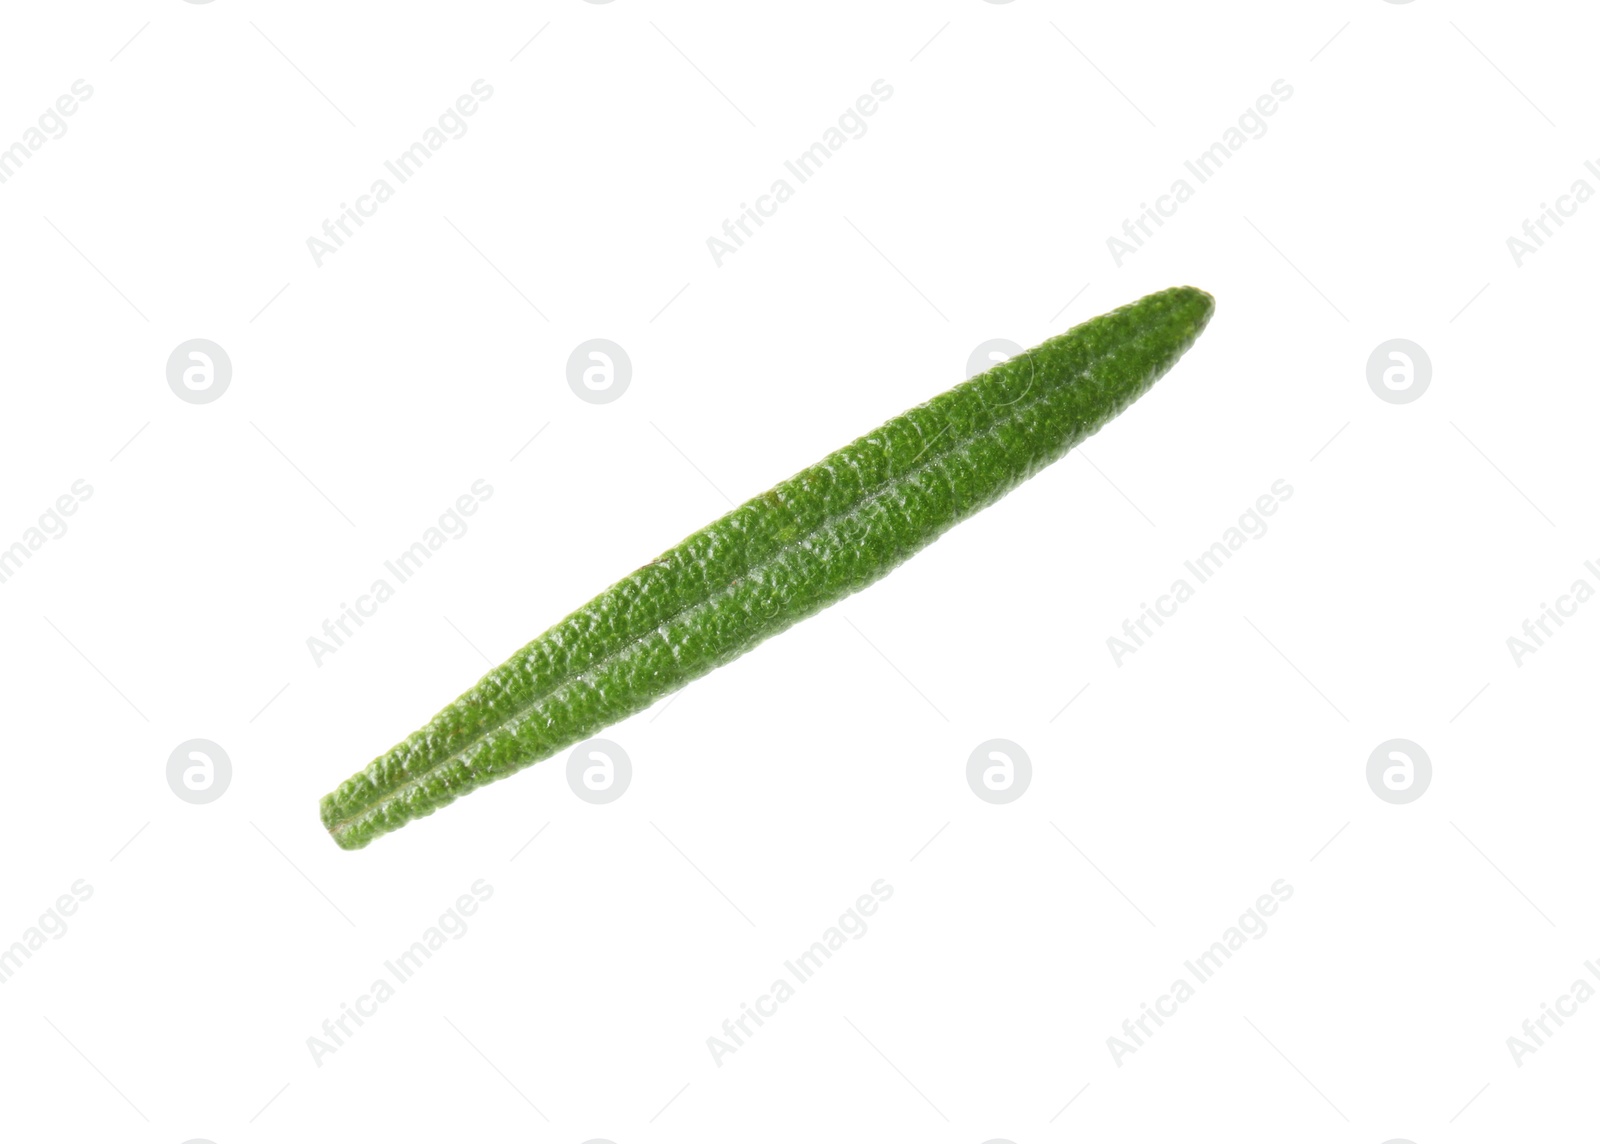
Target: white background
[{"x": 369, "y": 393}]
